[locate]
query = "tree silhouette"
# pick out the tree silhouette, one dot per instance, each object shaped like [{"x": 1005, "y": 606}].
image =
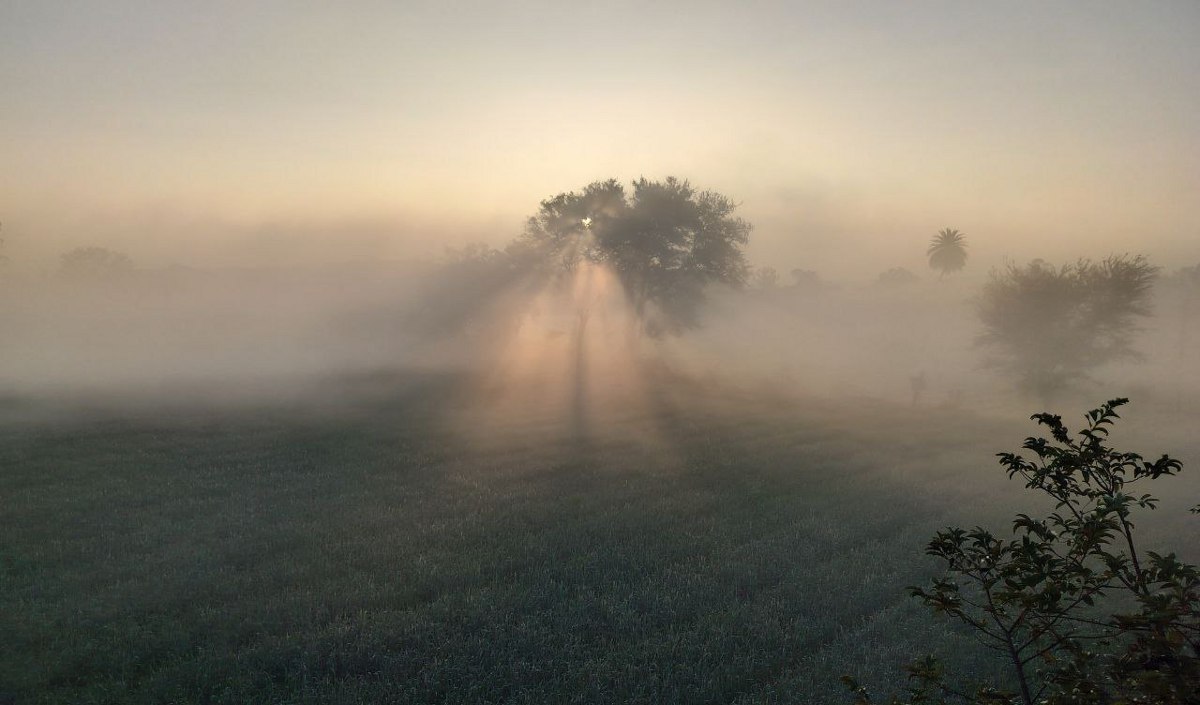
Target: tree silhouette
[
  {"x": 947, "y": 251},
  {"x": 1179, "y": 296},
  {"x": 469, "y": 285},
  {"x": 95, "y": 263},
  {"x": 897, "y": 277},
  {"x": 764, "y": 279},
  {"x": 665, "y": 242},
  {"x": 805, "y": 279},
  {"x": 1050, "y": 326},
  {"x": 1073, "y": 603}
]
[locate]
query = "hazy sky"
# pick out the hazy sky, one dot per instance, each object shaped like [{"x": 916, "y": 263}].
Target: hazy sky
[{"x": 199, "y": 132}]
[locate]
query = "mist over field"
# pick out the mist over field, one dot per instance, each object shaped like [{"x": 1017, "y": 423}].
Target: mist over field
[
  {"x": 264, "y": 331},
  {"x": 549, "y": 352}
]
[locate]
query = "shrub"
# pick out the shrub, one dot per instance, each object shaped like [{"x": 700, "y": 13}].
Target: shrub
[
  {"x": 1079, "y": 611},
  {"x": 1050, "y": 326}
]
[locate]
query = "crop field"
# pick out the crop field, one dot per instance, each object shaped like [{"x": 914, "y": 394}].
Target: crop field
[{"x": 722, "y": 546}]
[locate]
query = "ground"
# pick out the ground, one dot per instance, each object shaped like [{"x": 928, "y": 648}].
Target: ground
[{"x": 379, "y": 546}]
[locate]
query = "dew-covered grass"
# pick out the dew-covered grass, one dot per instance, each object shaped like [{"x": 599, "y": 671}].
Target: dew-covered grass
[{"x": 716, "y": 548}]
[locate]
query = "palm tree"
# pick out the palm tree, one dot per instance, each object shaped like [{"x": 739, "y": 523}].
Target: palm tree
[{"x": 947, "y": 251}]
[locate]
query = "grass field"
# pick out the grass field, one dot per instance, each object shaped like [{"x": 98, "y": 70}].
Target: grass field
[{"x": 719, "y": 547}]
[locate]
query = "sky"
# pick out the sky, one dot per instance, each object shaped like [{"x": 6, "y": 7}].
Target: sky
[{"x": 263, "y": 133}]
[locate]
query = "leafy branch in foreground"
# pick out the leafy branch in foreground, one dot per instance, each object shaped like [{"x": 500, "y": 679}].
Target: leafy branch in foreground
[{"x": 1078, "y": 611}]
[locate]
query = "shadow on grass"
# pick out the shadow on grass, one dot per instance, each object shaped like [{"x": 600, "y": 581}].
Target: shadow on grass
[{"x": 360, "y": 550}]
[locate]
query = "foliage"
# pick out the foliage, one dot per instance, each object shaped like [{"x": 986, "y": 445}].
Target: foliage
[
  {"x": 1181, "y": 291},
  {"x": 764, "y": 279},
  {"x": 805, "y": 279},
  {"x": 947, "y": 251},
  {"x": 897, "y": 276},
  {"x": 1051, "y": 325},
  {"x": 469, "y": 287},
  {"x": 1188, "y": 276},
  {"x": 95, "y": 263},
  {"x": 1179, "y": 295},
  {"x": 472, "y": 254},
  {"x": 1078, "y": 610},
  {"x": 666, "y": 242}
]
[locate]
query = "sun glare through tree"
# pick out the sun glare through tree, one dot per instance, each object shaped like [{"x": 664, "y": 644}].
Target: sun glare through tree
[{"x": 565, "y": 352}]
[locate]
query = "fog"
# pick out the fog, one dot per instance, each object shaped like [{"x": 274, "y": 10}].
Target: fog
[
  {"x": 285, "y": 183},
  {"x": 566, "y": 345},
  {"x": 147, "y": 329},
  {"x": 594, "y": 352},
  {"x": 848, "y": 132}
]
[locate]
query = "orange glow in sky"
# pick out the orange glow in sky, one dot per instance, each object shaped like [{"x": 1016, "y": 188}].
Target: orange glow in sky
[{"x": 183, "y": 132}]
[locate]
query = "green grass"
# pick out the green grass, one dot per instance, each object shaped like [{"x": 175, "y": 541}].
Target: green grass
[{"x": 371, "y": 552}]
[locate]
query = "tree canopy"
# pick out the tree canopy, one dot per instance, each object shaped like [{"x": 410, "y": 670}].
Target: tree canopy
[
  {"x": 666, "y": 241},
  {"x": 947, "y": 251},
  {"x": 1050, "y": 325},
  {"x": 896, "y": 276},
  {"x": 95, "y": 262}
]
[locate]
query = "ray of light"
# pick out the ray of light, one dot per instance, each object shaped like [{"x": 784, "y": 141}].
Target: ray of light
[{"x": 573, "y": 369}]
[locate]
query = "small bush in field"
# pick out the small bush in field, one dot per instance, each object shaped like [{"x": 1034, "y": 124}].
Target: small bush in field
[{"x": 1077, "y": 609}]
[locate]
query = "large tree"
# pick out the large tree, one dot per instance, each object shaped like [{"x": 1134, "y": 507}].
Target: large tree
[
  {"x": 665, "y": 241},
  {"x": 947, "y": 251},
  {"x": 1050, "y": 325}
]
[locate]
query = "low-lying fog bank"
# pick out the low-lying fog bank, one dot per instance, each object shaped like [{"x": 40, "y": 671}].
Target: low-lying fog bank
[{"x": 258, "y": 333}]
